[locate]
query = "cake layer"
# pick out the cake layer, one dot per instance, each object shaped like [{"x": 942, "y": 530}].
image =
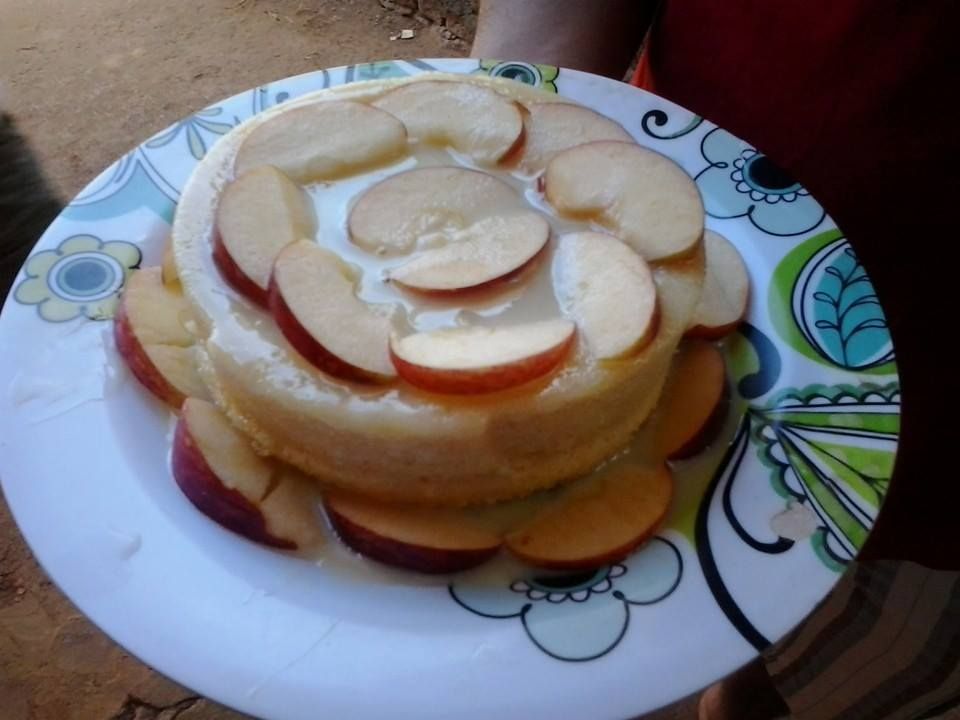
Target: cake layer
[{"x": 393, "y": 441}]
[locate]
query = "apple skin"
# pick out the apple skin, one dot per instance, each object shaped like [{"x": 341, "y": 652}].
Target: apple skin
[
  {"x": 235, "y": 277},
  {"x": 312, "y": 351},
  {"x": 482, "y": 380},
  {"x": 389, "y": 551},
  {"x": 140, "y": 365},
  {"x": 223, "y": 505}
]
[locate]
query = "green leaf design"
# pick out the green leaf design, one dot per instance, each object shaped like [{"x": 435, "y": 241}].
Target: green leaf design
[
  {"x": 834, "y": 448},
  {"x": 823, "y": 305}
]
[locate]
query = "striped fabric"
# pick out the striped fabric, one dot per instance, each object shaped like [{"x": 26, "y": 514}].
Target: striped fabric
[{"x": 885, "y": 645}]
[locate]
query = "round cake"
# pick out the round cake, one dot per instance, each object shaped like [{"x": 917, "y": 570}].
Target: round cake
[{"x": 438, "y": 289}]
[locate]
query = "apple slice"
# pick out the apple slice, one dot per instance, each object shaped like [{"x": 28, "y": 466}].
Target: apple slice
[
  {"x": 220, "y": 474},
  {"x": 428, "y": 540},
  {"x": 641, "y": 196},
  {"x": 157, "y": 312},
  {"x": 471, "y": 119},
  {"x": 597, "y": 521},
  {"x": 726, "y": 289},
  {"x": 324, "y": 141},
  {"x": 693, "y": 403},
  {"x": 472, "y": 360},
  {"x": 167, "y": 371},
  {"x": 492, "y": 249},
  {"x": 260, "y": 213},
  {"x": 610, "y": 292},
  {"x": 178, "y": 367},
  {"x": 553, "y": 127},
  {"x": 218, "y": 471},
  {"x": 152, "y": 339},
  {"x": 313, "y": 300},
  {"x": 397, "y": 212}
]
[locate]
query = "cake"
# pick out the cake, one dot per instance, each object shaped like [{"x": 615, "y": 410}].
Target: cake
[
  {"x": 447, "y": 154},
  {"x": 469, "y": 314}
]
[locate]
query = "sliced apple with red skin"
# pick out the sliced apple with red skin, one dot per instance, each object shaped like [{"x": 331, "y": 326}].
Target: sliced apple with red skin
[
  {"x": 260, "y": 213},
  {"x": 492, "y": 249},
  {"x": 609, "y": 290},
  {"x": 471, "y": 119},
  {"x": 694, "y": 401},
  {"x": 324, "y": 141},
  {"x": 218, "y": 471},
  {"x": 143, "y": 367},
  {"x": 473, "y": 360},
  {"x": 151, "y": 337},
  {"x": 395, "y": 213},
  {"x": 726, "y": 290},
  {"x": 314, "y": 302},
  {"x": 220, "y": 474},
  {"x": 178, "y": 366},
  {"x": 641, "y": 196},
  {"x": 597, "y": 521},
  {"x": 554, "y": 127},
  {"x": 428, "y": 540}
]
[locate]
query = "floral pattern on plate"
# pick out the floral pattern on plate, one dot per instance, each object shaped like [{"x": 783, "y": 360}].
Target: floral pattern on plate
[
  {"x": 541, "y": 76},
  {"x": 83, "y": 276},
  {"x": 580, "y": 616},
  {"x": 741, "y": 182}
]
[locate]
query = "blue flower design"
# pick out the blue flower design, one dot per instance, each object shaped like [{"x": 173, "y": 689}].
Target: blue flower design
[
  {"x": 741, "y": 182},
  {"x": 194, "y": 128},
  {"x": 584, "y": 615}
]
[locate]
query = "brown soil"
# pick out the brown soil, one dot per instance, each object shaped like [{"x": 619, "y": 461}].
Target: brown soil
[{"x": 88, "y": 80}]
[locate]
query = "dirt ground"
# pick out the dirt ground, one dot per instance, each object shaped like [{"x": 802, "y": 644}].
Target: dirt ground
[{"x": 87, "y": 80}]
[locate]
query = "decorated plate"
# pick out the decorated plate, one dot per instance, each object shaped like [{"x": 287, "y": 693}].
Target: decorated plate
[{"x": 761, "y": 529}]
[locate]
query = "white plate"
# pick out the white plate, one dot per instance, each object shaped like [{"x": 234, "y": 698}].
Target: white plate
[{"x": 749, "y": 549}]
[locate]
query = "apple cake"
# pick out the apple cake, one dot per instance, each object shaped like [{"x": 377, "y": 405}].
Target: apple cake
[{"x": 442, "y": 290}]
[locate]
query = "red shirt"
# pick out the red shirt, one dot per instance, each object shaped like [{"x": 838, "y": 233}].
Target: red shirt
[{"x": 855, "y": 99}]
